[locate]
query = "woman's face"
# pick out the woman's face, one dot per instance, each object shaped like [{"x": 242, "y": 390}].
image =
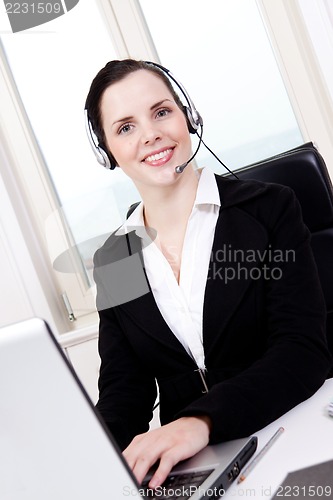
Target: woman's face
[{"x": 145, "y": 129}]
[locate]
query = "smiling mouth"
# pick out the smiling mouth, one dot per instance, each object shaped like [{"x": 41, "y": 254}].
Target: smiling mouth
[{"x": 158, "y": 156}]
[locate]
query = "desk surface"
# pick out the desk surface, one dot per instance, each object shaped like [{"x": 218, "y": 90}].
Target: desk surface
[{"x": 306, "y": 440}]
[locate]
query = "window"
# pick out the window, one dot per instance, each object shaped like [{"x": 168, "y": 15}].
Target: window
[{"x": 221, "y": 53}]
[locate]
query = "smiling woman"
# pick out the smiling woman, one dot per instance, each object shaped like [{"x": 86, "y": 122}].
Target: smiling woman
[{"x": 214, "y": 343}]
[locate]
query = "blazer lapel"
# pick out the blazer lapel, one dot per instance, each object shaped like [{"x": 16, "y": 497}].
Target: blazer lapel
[
  {"x": 148, "y": 319},
  {"x": 144, "y": 310},
  {"x": 238, "y": 246}
]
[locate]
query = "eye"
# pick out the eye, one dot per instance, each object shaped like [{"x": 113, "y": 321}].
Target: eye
[
  {"x": 124, "y": 129},
  {"x": 163, "y": 112}
]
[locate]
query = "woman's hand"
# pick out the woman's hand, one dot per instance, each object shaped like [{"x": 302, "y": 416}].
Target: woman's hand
[{"x": 170, "y": 444}]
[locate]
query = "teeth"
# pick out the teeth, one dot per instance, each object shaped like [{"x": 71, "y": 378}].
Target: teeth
[{"x": 158, "y": 156}]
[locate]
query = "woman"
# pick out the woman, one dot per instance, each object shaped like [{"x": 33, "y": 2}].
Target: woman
[{"x": 209, "y": 288}]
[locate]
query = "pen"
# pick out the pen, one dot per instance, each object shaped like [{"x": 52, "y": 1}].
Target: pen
[{"x": 262, "y": 452}]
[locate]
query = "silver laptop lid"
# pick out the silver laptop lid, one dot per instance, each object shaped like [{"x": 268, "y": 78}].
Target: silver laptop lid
[{"x": 52, "y": 444}]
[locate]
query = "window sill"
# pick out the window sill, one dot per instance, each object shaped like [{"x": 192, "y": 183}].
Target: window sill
[{"x": 78, "y": 336}]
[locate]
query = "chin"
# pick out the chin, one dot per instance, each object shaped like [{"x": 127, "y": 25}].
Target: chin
[{"x": 164, "y": 176}]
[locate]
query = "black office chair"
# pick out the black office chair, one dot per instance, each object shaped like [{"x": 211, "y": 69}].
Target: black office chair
[{"x": 304, "y": 170}]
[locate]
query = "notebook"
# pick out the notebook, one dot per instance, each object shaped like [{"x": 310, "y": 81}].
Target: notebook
[{"x": 54, "y": 445}]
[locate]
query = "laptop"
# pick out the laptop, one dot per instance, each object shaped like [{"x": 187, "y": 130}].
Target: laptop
[{"x": 54, "y": 445}]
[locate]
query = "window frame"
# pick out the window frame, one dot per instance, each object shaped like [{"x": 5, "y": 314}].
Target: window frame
[
  {"x": 34, "y": 187},
  {"x": 301, "y": 73}
]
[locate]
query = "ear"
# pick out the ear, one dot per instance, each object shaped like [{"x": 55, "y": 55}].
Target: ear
[
  {"x": 109, "y": 159},
  {"x": 190, "y": 124},
  {"x": 101, "y": 152},
  {"x": 193, "y": 122}
]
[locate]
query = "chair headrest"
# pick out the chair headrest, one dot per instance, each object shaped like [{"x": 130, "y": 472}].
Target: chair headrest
[{"x": 304, "y": 170}]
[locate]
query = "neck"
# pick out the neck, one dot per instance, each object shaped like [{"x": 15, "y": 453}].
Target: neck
[{"x": 170, "y": 206}]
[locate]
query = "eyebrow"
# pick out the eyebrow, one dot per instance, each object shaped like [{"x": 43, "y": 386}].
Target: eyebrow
[{"x": 128, "y": 118}]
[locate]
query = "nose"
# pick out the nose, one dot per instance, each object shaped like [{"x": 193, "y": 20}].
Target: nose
[{"x": 150, "y": 133}]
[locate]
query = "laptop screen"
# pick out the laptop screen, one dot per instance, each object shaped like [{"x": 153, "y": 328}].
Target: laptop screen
[{"x": 52, "y": 443}]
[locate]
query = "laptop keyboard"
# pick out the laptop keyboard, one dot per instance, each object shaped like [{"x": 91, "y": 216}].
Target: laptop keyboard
[{"x": 177, "y": 486}]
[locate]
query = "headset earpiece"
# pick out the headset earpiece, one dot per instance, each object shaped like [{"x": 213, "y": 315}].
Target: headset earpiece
[
  {"x": 193, "y": 122},
  {"x": 107, "y": 160},
  {"x": 104, "y": 158}
]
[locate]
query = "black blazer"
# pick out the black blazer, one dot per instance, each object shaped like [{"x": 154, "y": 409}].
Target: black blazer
[{"x": 263, "y": 330}]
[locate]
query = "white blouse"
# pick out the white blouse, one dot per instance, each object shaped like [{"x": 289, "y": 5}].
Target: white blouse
[{"x": 181, "y": 305}]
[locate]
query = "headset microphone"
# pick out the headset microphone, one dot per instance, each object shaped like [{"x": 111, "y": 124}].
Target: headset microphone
[{"x": 182, "y": 167}]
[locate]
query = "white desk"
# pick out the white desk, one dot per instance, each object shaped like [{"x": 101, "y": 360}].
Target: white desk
[{"x": 306, "y": 440}]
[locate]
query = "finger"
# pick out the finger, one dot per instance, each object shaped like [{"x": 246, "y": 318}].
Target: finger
[
  {"x": 132, "y": 451},
  {"x": 142, "y": 466},
  {"x": 167, "y": 461},
  {"x": 166, "y": 464},
  {"x": 171, "y": 457},
  {"x": 142, "y": 456}
]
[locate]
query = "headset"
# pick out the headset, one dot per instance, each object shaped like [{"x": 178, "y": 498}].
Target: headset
[{"x": 193, "y": 118}]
